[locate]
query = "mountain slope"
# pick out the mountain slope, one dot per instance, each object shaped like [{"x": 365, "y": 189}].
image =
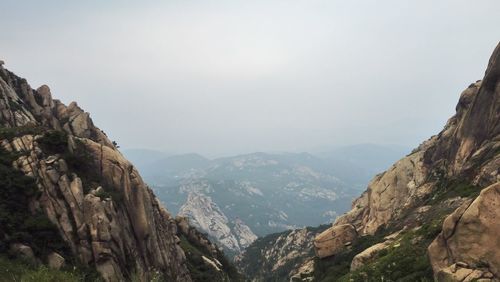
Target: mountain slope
[
  {"x": 205, "y": 215},
  {"x": 391, "y": 225},
  {"x": 95, "y": 199},
  {"x": 235, "y": 199}
]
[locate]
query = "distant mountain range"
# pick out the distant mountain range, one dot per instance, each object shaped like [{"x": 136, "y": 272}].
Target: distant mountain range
[
  {"x": 431, "y": 216},
  {"x": 235, "y": 199}
]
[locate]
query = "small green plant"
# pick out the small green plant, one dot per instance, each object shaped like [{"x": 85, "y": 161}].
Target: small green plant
[
  {"x": 405, "y": 261},
  {"x": 14, "y": 106},
  {"x": 447, "y": 189},
  {"x": 10, "y": 133},
  {"x": 198, "y": 269},
  {"x": 17, "y": 223},
  {"x": 116, "y": 196},
  {"x": 18, "y": 270},
  {"x": 38, "y": 98},
  {"x": 54, "y": 142}
]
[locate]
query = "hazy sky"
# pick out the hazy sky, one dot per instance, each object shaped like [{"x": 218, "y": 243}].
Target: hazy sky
[{"x": 224, "y": 77}]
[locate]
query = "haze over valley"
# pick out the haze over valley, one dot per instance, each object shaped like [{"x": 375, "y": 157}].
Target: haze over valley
[
  {"x": 235, "y": 199},
  {"x": 250, "y": 141}
]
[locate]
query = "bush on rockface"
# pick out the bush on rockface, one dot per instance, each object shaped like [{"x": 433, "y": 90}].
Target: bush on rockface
[
  {"x": 80, "y": 161},
  {"x": 335, "y": 267},
  {"x": 9, "y": 133},
  {"x": 450, "y": 188},
  {"x": 106, "y": 193},
  {"x": 199, "y": 269},
  {"x": 54, "y": 142},
  {"x": 17, "y": 223},
  {"x": 404, "y": 260}
]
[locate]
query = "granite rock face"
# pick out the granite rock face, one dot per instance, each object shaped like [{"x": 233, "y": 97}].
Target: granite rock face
[
  {"x": 206, "y": 215},
  {"x": 288, "y": 255},
  {"x": 96, "y": 198},
  {"x": 469, "y": 242},
  {"x": 402, "y": 210},
  {"x": 334, "y": 240},
  {"x": 467, "y": 150}
]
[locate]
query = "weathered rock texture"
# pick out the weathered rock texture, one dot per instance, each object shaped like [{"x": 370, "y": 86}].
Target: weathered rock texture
[
  {"x": 127, "y": 232},
  {"x": 335, "y": 239},
  {"x": 280, "y": 256},
  {"x": 467, "y": 150},
  {"x": 468, "y": 246},
  {"x": 204, "y": 214}
]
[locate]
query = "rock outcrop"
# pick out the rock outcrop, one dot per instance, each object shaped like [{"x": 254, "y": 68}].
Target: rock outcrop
[
  {"x": 466, "y": 151},
  {"x": 204, "y": 214},
  {"x": 371, "y": 253},
  {"x": 282, "y": 256},
  {"x": 104, "y": 211},
  {"x": 203, "y": 257},
  {"x": 468, "y": 246},
  {"x": 335, "y": 239}
]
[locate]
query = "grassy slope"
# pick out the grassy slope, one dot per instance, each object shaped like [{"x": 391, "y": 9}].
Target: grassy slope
[{"x": 17, "y": 270}]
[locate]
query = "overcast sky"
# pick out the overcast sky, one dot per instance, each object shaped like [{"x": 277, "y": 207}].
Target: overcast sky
[{"x": 225, "y": 77}]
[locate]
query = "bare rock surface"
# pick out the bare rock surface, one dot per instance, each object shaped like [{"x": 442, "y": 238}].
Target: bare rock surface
[
  {"x": 469, "y": 239},
  {"x": 467, "y": 150},
  {"x": 55, "y": 260},
  {"x": 122, "y": 229},
  {"x": 204, "y": 214},
  {"x": 334, "y": 240}
]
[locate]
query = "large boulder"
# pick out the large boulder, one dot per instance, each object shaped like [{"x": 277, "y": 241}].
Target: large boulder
[
  {"x": 335, "y": 239},
  {"x": 55, "y": 260},
  {"x": 469, "y": 242},
  {"x": 368, "y": 255},
  {"x": 22, "y": 251}
]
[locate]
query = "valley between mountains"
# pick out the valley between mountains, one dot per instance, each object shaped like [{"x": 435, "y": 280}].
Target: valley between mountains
[
  {"x": 74, "y": 208},
  {"x": 236, "y": 199}
]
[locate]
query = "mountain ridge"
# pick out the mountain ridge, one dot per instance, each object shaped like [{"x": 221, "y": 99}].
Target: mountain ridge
[
  {"x": 107, "y": 216},
  {"x": 422, "y": 217}
]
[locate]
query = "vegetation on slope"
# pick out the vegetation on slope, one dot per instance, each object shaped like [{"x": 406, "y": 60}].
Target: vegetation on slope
[
  {"x": 255, "y": 263},
  {"x": 406, "y": 259},
  {"x": 18, "y": 270},
  {"x": 17, "y": 223},
  {"x": 79, "y": 161},
  {"x": 200, "y": 270}
]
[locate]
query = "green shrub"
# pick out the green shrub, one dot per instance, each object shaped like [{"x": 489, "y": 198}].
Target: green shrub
[
  {"x": 199, "y": 270},
  {"x": 9, "y": 133},
  {"x": 38, "y": 98},
  {"x": 17, "y": 223},
  {"x": 405, "y": 260},
  {"x": 116, "y": 196},
  {"x": 333, "y": 268},
  {"x": 54, "y": 142},
  {"x": 447, "y": 189},
  {"x": 17, "y": 270},
  {"x": 14, "y": 106}
]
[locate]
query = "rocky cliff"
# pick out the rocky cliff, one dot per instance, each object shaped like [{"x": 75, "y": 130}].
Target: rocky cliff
[
  {"x": 106, "y": 215},
  {"x": 432, "y": 198},
  {"x": 205, "y": 215},
  {"x": 460, "y": 161},
  {"x": 281, "y": 256},
  {"x": 235, "y": 199}
]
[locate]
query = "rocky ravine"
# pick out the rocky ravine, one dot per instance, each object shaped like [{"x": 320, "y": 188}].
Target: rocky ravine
[
  {"x": 235, "y": 199},
  {"x": 206, "y": 216},
  {"x": 104, "y": 211},
  {"x": 280, "y": 256},
  {"x": 401, "y": 212}
]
